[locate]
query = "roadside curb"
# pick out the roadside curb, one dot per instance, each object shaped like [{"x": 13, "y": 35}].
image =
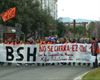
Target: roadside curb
[{"x": 80, "y": 77}]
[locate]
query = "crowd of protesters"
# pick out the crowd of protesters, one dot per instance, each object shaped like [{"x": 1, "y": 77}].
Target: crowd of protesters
[{"x": 46, "y": 40}]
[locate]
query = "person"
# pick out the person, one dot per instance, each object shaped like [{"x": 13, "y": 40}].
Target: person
[{"x": 94, "y": 47}]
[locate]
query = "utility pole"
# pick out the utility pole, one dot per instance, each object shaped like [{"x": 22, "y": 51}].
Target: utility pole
[
  {"x": 74, "y": 25},
  {"x": 85, "y": 32}
]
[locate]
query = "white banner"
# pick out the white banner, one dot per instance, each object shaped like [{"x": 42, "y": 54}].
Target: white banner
[
  {"x": 51, "y": 53},
  {"x": 18, "y": 53},
  {"x": 70, "y": 52}
]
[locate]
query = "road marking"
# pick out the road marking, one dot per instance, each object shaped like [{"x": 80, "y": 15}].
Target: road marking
[{"x": 80, "y": 77}]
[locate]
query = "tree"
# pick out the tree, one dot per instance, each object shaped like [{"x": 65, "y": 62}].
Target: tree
[
  {"x": 80, "y": 30},
  {"x": 91, "y": 28},
  {"x": 29, "y": 15},
  {"x": 61, "y": 30}
]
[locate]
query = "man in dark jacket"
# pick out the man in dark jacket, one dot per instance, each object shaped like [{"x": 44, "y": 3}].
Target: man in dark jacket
[{"x": 94, "y": 47}]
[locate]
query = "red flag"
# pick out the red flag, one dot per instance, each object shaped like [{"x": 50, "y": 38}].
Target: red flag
[{"x": 10, "y": 13}]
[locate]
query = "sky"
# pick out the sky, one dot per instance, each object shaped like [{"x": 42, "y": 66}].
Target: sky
[{"x": 86, "y": 9}]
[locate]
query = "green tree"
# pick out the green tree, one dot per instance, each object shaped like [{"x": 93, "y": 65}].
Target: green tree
[
  {"x": 29, "y": 14},
  {"x": 61, "y": 29},
  {"x": 91, "y": 28}
]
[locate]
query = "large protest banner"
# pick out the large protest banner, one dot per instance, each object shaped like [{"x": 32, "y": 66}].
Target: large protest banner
[
  {"x": 49, "y": 53},
  {"x": 18, "y": 53},
  {"x": 99, "y": 54},
  {"x": 71, "y": 52}
]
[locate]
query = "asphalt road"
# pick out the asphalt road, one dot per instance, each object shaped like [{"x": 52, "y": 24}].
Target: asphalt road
[{"x": 51, "y": 72}]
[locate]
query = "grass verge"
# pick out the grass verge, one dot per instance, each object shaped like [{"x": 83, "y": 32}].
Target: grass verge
[{"x": 92, "y": 75}]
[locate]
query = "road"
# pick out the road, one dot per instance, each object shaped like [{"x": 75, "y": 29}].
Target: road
[{"x": 51, "y": 72}]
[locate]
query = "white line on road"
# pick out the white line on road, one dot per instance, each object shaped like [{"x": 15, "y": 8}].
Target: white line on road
[{"x": 80, "y": 77}]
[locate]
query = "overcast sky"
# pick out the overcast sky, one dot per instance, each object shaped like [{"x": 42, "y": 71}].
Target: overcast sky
[{"x": 87, "y": 9}]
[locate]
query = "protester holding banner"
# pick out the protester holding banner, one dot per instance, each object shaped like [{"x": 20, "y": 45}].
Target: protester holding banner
[{"x": 94, "y": 49}]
